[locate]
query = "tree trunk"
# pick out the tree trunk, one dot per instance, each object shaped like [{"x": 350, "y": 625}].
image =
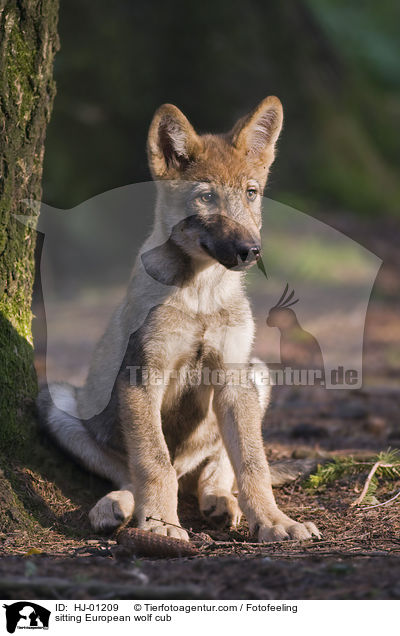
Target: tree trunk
[{"x": 28, "y": 32}]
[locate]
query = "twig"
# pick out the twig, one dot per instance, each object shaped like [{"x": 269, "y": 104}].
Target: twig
[
  {"x": 167, "y": 523},
  {"x": 383, "y": 503},
  {"x": 373, "y": 470},
  {"x": 366, "y": 485}
]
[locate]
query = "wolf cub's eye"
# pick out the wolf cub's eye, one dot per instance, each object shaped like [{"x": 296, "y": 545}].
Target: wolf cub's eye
[
  {"x": 207, "y": 197},
  {"x": 251, "y": 193}
]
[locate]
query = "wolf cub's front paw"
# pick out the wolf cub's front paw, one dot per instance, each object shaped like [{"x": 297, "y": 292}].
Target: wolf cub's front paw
[
  {"x": 154, "y": 523},
  {"x": 111, "y": 511},
  {"x": 288, "y": 529}
]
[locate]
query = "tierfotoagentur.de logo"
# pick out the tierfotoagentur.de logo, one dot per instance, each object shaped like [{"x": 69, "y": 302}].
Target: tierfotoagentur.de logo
[{"x": 26, "y": 615}]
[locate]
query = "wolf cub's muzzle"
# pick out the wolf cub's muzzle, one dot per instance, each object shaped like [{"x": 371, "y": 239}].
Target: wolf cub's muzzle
[
  {"x": 233, "y": 255},
  {"x": 228, "y": 242}
]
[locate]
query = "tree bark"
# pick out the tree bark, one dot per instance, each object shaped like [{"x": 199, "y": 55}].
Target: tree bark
[{"x": 28, "y": 43}]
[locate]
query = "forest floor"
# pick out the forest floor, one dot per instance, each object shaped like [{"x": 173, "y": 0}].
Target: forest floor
[{"x": 358, "y": 556}]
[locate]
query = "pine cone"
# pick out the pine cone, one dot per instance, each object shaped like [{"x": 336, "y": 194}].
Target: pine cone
[{"x": 145, "y": 543}]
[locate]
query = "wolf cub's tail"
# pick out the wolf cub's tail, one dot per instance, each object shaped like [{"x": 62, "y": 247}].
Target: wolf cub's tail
[{"x": 58, "y": 413}]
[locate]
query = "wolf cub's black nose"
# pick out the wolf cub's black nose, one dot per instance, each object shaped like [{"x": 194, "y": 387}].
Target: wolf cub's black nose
[
  {"x": 256, "y": 252},
  {"x": 247, "y": 251}
]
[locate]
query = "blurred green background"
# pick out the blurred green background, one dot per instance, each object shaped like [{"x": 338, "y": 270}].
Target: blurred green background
[{"x": 334, "y": 65}]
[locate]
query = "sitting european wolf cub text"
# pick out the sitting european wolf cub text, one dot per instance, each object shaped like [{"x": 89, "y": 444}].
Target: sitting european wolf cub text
[{"x": 185, "y": 312}]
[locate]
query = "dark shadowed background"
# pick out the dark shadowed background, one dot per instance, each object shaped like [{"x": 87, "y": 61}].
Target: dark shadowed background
[{"x": 334, "y": 65}]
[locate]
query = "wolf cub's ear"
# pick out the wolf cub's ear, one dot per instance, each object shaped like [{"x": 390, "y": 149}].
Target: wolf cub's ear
[
  {"x": 256, "y": 133},
  {"x": 171, "y": 144}
]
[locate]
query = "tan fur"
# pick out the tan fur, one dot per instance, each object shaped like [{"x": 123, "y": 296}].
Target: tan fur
[{"x": 186, "y": 309}]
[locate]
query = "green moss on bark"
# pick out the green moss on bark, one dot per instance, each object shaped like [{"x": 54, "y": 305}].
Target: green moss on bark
[
  {"x": 12, "y": 509},
  {"x": 27, "y": 47}
]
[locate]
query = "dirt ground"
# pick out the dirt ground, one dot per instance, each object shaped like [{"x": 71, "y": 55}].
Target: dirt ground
[{"x": 358, "y": 556}]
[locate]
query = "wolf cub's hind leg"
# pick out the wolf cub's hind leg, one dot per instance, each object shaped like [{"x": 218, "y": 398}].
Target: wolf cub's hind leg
[{"x": 216, "y": 500}]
